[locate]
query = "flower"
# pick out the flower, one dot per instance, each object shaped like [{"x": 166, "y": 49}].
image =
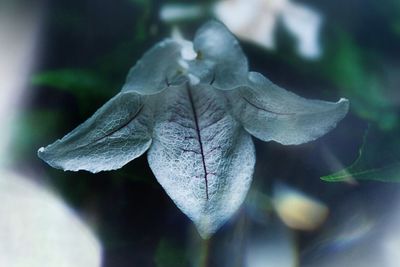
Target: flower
[
  {"x": 194, "y": 107},
  {"x": 256, "y": 21}
]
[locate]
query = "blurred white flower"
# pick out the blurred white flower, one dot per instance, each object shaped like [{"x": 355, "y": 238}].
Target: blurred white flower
[
  {"x": 256, "y": 21},
  {"x": 38, "y": 229}
]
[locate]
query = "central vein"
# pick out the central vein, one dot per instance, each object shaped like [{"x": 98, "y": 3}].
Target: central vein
[{"x": 196, "y": 121}]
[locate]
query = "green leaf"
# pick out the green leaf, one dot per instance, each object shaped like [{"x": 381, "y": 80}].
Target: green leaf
[
  {"x": 353, "y": 69},
  {"x": 29, "y": 133},
  {"x": 378, "y": 160},
  {"x": 79, "y": 82}
]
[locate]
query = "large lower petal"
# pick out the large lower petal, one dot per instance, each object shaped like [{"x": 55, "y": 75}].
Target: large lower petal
[
  {"x": 201, "y": 156},
  {"x": 271, "y": 113},
  {"x": 116, "y": 134}
]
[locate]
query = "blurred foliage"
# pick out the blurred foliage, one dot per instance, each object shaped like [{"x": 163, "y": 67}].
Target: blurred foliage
[
  {"x": 79, "y": 82},
  {"x": 364, "y": 70},
  {"x": 28, "y": 133},
  {"x": 170, "y": 255},
  {"x": 360, "y": 62},
  {"x": 357, "y": 75},
  {"x": 146, "y": 6},
  {"x": 363, "y": 75},
  {"x": 379, "y": 159}
]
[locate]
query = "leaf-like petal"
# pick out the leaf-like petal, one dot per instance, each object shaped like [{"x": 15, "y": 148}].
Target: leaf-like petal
[
  {"x": 116, "y": 134},
  {"x": 220, "y": 54},
  {"x": 201, "y": 156},
  {"x": 271, "y": 113},
  {"x": 159, "y": 68}
]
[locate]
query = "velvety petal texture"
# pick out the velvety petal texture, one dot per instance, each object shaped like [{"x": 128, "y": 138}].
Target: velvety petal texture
[
  {"x": 159, "y": 68},
  {"x": 271, "y": 113},
  {"x": 116, "y": 134},
  {"x": 220, "y": 54},
  {"x": 201, "y": 156},
  {"x": 195, "y": 108}
]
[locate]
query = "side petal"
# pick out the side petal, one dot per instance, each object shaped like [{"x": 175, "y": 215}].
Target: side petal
[
  {"x": 159, "y": 68},
  {"x": 201, "y": 156},
  {"x": 271, "y": 113},
  {"x": 221, "y": 55},
  {"x": 116, "y": 134}
]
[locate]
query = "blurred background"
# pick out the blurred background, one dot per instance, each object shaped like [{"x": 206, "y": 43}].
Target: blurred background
[{"x": 331, "y": 202}]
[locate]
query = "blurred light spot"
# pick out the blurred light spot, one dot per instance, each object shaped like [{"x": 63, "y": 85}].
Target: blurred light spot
[
  {"x": 256, "y": 21},
  {"x": 176, "y": 12},
  {"x": 335, "y": 164},
  {"x": 258, "y": 205},
  {"x": 352, "y": 238},
  {"x": 391, "y": 251},
  {"x": 271, "y": 246},
  {"x": 391, "y": 240},
  {"x": 187, "y": 51},
  {"x": 298, "y": 210},
  {"x": 37, "y": 229},
  {"x": 353, "y": 229},
  {"x": 19, "y": 27}
]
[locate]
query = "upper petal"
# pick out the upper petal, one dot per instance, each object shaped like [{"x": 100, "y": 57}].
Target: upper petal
[
  {"x": 271, "y": 113},
  {"x": 117, "y": 133},
  {"x": 159, "y": 68},
  {"x": 201, "y": 156},
  {"x": 220, "y": 56}
]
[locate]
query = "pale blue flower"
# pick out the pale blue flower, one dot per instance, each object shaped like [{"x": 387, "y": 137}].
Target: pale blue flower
[{"x": 194, "y": 107}]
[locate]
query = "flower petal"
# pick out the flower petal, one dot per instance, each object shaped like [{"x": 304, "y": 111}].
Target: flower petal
[
  {"x": 304, "y": 23},
  {"x": 159, "y": 68},
  {"x": 116, "y": 134},
  {"x": 201, "y": 156},
  {"x": 220, "y": 54},
  {"x": 271, "y": 113}
]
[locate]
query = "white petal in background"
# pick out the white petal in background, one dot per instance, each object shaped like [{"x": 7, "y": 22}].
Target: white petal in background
[
  {"x": 249, "y": 20},
  {"x": 38, "y": 230},
  {"x": 256, "y": 21},
  {"x": 305, "y": 24},
  {"x": 177, "y": 12}
]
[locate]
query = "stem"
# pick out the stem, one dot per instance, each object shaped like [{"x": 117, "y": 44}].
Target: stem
[{"x": 204, "y": 253}]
